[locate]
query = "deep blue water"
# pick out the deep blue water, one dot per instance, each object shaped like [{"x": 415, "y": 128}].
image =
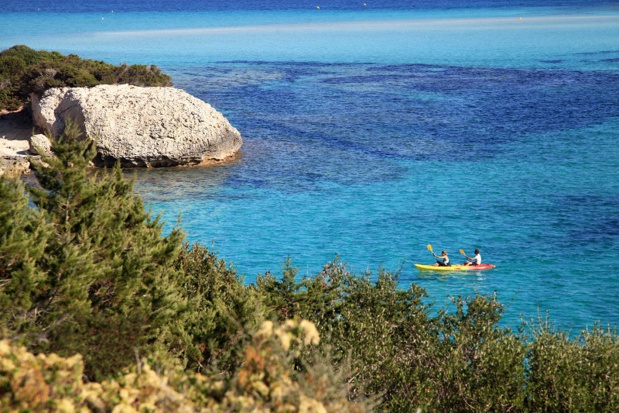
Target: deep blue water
[{"x": 372, "y": 131}]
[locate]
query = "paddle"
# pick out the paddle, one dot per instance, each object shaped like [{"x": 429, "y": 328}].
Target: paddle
[
  {"x": 430, "y": 248},
  {"x": 467, "y": 257}
]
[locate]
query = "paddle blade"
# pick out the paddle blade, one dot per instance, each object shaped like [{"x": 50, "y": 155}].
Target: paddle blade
[
  {"x": 462, "y": 252},
  {"x": 430, "y": 248}
]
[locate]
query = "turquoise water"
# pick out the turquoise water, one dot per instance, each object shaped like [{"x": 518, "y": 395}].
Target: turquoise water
[
  {"x": 370, "y": 133},
  {"x": 493, "y": 37}
]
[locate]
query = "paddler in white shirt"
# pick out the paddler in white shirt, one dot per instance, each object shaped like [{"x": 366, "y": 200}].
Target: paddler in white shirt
[{"x": 476, "y": 260}]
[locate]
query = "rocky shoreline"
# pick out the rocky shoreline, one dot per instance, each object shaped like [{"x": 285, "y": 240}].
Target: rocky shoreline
[
  {"x": 136, "y": 126},
  {"x": 15, "y": 132}
]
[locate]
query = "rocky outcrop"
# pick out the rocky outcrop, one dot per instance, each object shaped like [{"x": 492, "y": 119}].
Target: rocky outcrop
[
  {"x": 14, "y": 165},
  {"x": 140, "y": 126},
  {"x": 40, "y": 145},
  {"x": 15, "y": 130}
]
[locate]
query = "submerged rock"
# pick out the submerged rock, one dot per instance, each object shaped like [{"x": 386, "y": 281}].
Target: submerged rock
[{"x": 140, "y": 126}]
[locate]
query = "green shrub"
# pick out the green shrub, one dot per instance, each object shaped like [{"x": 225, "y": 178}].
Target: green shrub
[
  {"x": 477, "y": 366},
  {"x": 368, "y": 324},
  {"x": 221, "y": 309},
  {"x": 24, "y": 71},
  {"x": 459, "y": 359},
  {"x": 23, "y": 239},
  {"x": 85, "y": 269},
  {"x": 580, "y": 374},
  {"x": 98, "y": 278}
]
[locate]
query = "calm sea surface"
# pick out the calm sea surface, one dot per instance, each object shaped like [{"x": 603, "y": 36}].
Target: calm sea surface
[{"x": 373, "y": 129}]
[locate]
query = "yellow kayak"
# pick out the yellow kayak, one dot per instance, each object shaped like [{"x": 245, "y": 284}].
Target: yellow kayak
[{"x": 481, "y": 267}]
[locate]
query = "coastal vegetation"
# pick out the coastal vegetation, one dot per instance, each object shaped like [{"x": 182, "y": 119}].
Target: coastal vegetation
[
  {"x": 99, "y": 309},
  {"x": 24, "y": 71}
]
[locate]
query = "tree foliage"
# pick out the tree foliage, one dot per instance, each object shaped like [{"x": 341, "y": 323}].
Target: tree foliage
[
  {"x": 23, "y": 239},
  {"x": 412, "y": 356},
  {"x": 24, "y": 71},
  {"x": 85, "y": 269},
  {"x": 101, "y": 280},
  {"x": 223, "y": 310}
]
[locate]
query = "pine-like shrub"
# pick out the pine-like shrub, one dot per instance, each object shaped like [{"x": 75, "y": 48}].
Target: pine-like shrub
[
  {"x": 221, "y": 310},
  {"x": 101, "y": 278}
]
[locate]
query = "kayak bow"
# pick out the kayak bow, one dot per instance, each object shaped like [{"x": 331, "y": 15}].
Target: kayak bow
[{"x": 481, "y": 267}]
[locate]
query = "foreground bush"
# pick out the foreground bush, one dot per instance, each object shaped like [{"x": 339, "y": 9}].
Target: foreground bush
[
  {"x": 573, "y": 374},
  {"x": 85, "y": 270},
  {"x": 458, "y": 359},
  {"x": 24, "y": 71},
  {"x": 221, "y": 307},
  {"x": 265, "y": 382}
]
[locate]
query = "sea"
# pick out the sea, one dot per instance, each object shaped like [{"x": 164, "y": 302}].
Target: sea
[{"x": 375, "y": 128}]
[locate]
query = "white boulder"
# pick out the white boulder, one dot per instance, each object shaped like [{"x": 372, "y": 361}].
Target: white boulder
[
  {"x": 40, "y": 145},
  {"x": 140, "y": 126}
]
